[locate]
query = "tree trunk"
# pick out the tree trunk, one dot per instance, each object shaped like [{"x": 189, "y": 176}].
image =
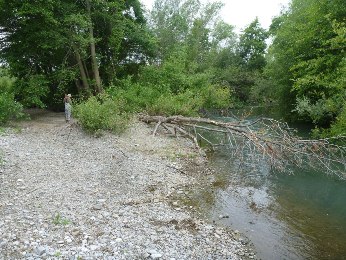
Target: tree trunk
[
  {"x": 95, "y": 68},
  {"x": 82, "y": 71}
]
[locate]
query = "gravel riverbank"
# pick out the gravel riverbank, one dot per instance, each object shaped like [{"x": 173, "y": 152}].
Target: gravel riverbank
[{"x": 67, "y": 195}]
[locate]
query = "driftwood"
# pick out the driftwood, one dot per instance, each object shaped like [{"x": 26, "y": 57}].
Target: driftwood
[{"x": 254, "y": 142}]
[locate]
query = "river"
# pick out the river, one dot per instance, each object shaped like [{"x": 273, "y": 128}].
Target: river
[{"x": 301, "y": 215}]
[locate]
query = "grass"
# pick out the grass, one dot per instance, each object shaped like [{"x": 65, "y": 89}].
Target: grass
[
  {"x": 59, "y": 220},
  {"x": 182, "y": 155}
]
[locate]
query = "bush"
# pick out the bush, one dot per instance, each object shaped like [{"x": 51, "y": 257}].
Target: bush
[
  {"x": 215, "y": 97},
  {"x": 137, "y": 97},
  {"x": 32, "y": 90},
  {"x": 186, "y": 104},
  {"x": 102, "y": 113},
  {"x": 160, "y": 91},
  {"x": 9, "y": 108},
  {"x": 339, "y": 127}
]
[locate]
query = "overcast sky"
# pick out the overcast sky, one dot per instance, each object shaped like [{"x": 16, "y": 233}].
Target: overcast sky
[{"x": 241, "y": 13}]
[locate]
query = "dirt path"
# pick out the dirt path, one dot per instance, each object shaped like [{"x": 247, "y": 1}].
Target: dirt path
[{"x": 68, "y": 195}]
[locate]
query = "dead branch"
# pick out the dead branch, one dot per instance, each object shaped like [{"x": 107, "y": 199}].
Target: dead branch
[{"x": 261, "y": 140}]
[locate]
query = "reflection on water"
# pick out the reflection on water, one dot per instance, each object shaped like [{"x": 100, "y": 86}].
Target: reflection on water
[{"x": 296, "y": 216}]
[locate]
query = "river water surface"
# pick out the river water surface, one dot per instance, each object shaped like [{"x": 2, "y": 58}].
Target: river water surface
[{"x": 301, "y": 215}]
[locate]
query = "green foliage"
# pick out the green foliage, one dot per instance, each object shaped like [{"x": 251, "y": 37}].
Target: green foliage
[
  {"x": 48, "y": 39},
  {"x": 137, "y": 97},
  {"x": 191, "y": 101},
  {"x": 59, "y": 220},
  {"x": 186, "y": 103},
  {"x": 262, "y": 92},
  {"x": 323, "y": 111},
  {"x": 159, "y": 99},
  {"x": 240, "y": 81},
  {"x": 102, "y": 113},
  {"x": 9, "y": 107},
  {"x": 215, "y": 97},
  {"x": 188, "y": 24},
  {"x": 252, "y": 46},
  {"x": 307, "y": 59},
  {"x": 171, "y": 88},
  {"x": 339, "y": 126},
  {"x": 32, "y": 91}
]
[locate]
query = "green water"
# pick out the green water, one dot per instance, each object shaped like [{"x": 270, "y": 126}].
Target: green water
[
  {"x": 299, "y": 216},
  {"x": 313, "y": 205},
  {"x": 286, "y": 216}
]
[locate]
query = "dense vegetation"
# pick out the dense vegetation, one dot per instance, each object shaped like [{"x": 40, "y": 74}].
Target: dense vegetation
[
  {"x": 181, "y": 58},
  {"x": 308, "y": 61}
]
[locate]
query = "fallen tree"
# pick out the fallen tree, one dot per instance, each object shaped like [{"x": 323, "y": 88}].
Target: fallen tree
[{"x": 257, "y": 141}]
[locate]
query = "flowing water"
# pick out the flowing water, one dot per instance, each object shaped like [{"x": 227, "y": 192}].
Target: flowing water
[{"x": 286, "y": 216}]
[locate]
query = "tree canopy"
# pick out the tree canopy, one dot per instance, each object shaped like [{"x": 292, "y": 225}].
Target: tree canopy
[
  {"x": 55, "y": 46},
  {"x": 307, "y": 58}
]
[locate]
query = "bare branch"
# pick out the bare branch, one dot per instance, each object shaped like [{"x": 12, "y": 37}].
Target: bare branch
[{"x": 265, "y": 139}]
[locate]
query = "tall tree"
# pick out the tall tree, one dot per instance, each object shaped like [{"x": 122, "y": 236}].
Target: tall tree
[
  {"x": 252, "y": 46},
  {"x": 67, "y": 42},
  {"x": 94, "y": 63},
  {"x": 307, "y": 58},
  {"x": 182, "y": 24}
]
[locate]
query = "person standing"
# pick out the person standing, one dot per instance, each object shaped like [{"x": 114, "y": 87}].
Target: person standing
[{"x": 68, "y": 107}]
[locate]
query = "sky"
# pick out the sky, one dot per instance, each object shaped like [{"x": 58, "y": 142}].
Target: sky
[{"x": 241, "y": 13}]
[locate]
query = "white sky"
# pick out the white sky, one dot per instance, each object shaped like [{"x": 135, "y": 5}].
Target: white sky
[{"x": 241, "y": 13}]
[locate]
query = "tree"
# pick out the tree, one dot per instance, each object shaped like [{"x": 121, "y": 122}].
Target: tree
[
  {"x": 171, "y": 21},
  {"x": 307, "y": 58},
  {"x": 241, "y": 63},
  {"x": 252, "y": 46},
  {"x": 68, "y": 42},
  {"x": 184, "y": 24}
]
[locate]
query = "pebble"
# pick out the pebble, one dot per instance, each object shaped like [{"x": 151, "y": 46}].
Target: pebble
[
  {"x": 97, "y": 207},
  {"x": 79, "y": 203},
  {"x": 155, "y": 256},
  {"x": 40, "y": 250}
]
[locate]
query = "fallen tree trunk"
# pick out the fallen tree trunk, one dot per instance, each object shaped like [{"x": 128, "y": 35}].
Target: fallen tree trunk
[{"x": 262, "y": 140}]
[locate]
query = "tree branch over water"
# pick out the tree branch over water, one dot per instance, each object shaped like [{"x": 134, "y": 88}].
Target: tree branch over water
[{"x": 264, "y": 140}]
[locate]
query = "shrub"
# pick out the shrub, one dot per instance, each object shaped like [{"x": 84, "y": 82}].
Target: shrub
[
  {"x": 9, "y": 108},
  {"x": 186, "y": 104},
  {"x": 137, "y": 97},
  {"x": 159, "y": 100},
  {"x": 339, "y": 127},
  {"x": 32, "y": 91},
  {"x": 215, "y": 97},
  {"x": 102, "y": 113}
]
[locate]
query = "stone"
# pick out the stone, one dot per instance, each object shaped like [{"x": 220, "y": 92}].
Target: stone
[
  {"x": 40, "y": 250},
  {"x": 156, "y": 256},
  {"x": 76, "y": 232},
  {"x": 94, "y": 247},
  {"x": 97, "y": 207}
]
